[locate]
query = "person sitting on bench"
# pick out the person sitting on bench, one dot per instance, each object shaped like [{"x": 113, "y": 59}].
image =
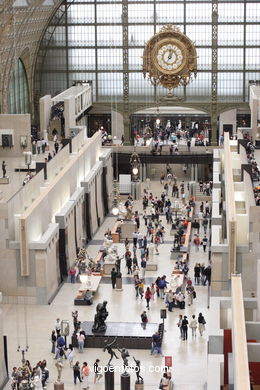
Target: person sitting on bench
[{"x": 88, "y": 298}]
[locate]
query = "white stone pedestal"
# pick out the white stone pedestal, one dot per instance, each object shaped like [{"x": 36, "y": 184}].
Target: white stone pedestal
[
  {"x": 4, "y": 180},
  {"x": 107, "y": 267},
  {"x": 127, "y": 229}
]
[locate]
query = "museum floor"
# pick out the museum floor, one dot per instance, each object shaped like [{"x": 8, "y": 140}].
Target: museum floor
[{"x": 189, "y": 357}]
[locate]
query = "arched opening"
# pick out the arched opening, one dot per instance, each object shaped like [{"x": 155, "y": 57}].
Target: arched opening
[
  {"x": 185, "y": 118},
  {"x": 18, "y": 91}
]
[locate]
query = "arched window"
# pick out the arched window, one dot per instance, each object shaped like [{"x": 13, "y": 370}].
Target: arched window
[{"x": 18, "y": 94}]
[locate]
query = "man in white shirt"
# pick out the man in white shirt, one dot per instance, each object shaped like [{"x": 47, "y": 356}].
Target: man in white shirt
[{"x": 57, "y": 326}]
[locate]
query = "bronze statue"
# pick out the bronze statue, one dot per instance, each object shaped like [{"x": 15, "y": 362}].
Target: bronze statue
[
  {"x": 108, "y": 348},
  {"x": 124, "y": 355},
  {"x": 118, "y": 266},
  {"x": 4, "y": 168},
  {"x": 139, "y": 378},
  {"x": 100, "y": 318}
]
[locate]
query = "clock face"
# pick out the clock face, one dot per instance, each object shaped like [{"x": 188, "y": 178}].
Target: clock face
[{"x": 169, "y": 57}]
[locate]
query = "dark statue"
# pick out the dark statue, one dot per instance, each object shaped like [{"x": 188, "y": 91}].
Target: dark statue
[
  {"x": 4, "y": 168},
  {"x": 118, "y": 266},
  {"x": 139, "y": 378},
  {"x": 100, "y": 318},
  {"x": 124, "y": 355},
  {"x": 108, "y": 348}
]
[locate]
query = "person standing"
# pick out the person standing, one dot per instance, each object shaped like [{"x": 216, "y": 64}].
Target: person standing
[
  {"x": 97, "y": 371},
  {"x": 75, "y": 315},
  {"x": 190, "y": 295},
  {"x": 202, "y": 322},
  {"x": 85, "y": 375},
  {"x": 39, "y": 145},
  {"x": 184, "y": 326},
  {"x": 81, "y": 338},
  {"x": 113, "y": 277},
  {"x": 53, "y": 341},
  {"x": 56, "y": 147},
  {"x": 193, "y": 326},
  {"x": 148, "y": 296},
  {"x": 57, "y": 326},
  {"x": 140, "y": 240},
  {"x": 135, "y": 235},
  {"x": 170, "y": 300},
  {"x": 179, "y": 323}
]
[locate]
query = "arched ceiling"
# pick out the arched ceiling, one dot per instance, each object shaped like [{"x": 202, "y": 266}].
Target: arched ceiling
[{"x": 22, "y": 24}]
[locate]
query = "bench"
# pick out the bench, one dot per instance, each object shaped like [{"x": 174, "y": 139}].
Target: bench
[
  {"x": 115, "y": 234},
  {"x": 95, "y": 281}
]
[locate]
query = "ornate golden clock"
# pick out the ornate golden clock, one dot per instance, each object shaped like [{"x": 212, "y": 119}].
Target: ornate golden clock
[{"x": 170, "y": 58}]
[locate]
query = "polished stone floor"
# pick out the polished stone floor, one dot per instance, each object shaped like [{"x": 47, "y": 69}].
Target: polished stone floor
[{"x": 189, "y": 357}]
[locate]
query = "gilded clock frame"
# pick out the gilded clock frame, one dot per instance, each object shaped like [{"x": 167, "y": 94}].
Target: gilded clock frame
[{"x": 170, "y": 79}]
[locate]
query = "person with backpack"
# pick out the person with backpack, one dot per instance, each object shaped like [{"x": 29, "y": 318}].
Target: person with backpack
[
  {"x": 162, "y": 285},
  {"x": 202, "y": 323},
  {"x": 144, "y": 319}
]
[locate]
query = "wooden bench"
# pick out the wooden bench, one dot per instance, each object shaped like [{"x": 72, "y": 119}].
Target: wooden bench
[{"x": 115, "y": 234}]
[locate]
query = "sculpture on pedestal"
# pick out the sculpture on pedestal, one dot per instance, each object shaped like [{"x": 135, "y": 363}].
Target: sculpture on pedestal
[
  {"x": 118, "y": 266},
  {"x": 59, "y": 367},
  {"x": 139, "y": 378},
  {"x": 100, "y": 318},
  {"x": 124, "y": 355},
  {"x": 4, "y": 168},
  {"x": 108, "y": 348},
  {"x": 111, "y": 254}
]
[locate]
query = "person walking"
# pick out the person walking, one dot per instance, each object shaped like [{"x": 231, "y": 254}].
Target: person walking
[
  {"x": 70, "y": 355},
  {"x": 205, "y": 225},
  {"x": 85, "y": 375},
  {"x": 204, "y": 243},
  {"x": 141, "y": 289},
  {"x": 113, "y": 277},
  {"x": 202, "y": 322},
  {"x": 197, "y": 273},
  {"x": 129, "y": 265},
  {"x": 76, "y": 373},
  {"x": 193, "y": 325},
  {"x": 196, "y": 242},
  {"x": 184, "y": 326},
  {"x": 148, "y": 296},
  {"x": 97, "y": 371},
  {"x": 144, "y": 319}
]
